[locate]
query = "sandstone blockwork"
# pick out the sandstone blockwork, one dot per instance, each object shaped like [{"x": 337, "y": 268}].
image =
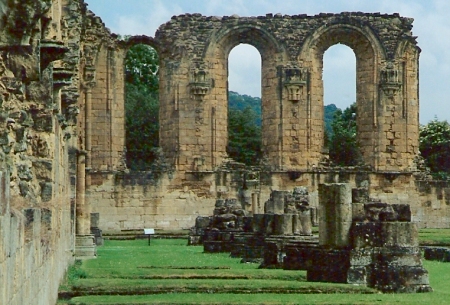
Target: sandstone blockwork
[{"x": 194, "y": 53}]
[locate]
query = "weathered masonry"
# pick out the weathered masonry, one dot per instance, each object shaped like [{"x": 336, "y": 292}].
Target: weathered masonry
[
  {"x": 62, "y": 127},
  {"x": 193, "y": 51}
]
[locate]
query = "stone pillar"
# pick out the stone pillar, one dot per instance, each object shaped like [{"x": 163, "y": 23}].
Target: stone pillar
[
  {"x": 84, "y": 241},
  {"x": 305, "y": 224},
  {"x": 335, "y": 214},
  {"x": 82, "y": 219}
]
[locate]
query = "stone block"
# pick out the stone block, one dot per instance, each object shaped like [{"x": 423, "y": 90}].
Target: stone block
[
  {"x": 403, "y": 212},
  {"x": 388, "y": 214},
  {"x": 360, "y": 195},
  {"x": 258, "y": 223},
  {"x": 202, "y": 222},
  {"x": 400, "y": 279},
  {"x": 247, "y": 223},
  {"x": 268, "y": 226},
  {"x": 298, "y": 257},
  {"x": 373, "y": 210},
  {"x": 399, "y": 256},
  {"x": 399, "y": 234},
  {"x": 215, "y": 246},
  {"x": 282, "y": 224},
  {"x": 358, "y": 212},
  {"x": 273, "y": 255},
  {"x": 335, "y": 214},
  {"x": 329, "y": 266},
  {"x": 211, "y": 235},
  {"x": 275, "y": 205},
  {"x": 362, "y": 257},
  {"x": 441, "y": 254},
  {"x": 304, "y": 218},
  {"x": 358, "y": 275},
  {"x": 366, "y": 234}
]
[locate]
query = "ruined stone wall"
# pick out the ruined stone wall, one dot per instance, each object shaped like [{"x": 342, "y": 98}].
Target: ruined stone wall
[
  {"x": 138, "y": 200},
  {"x": 194, "y": 53},
  {"x": 37, "y": 136},
  {"x": 135, "y": 201},
  {"x": 36, "y": 246}
]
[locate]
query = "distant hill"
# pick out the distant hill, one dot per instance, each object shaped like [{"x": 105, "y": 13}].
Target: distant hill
[
  {"x": 240, "y": 102},
  {"x": 237, "y": 101}
]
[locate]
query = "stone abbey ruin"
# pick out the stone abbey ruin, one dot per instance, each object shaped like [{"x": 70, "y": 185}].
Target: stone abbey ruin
[{"x": 62, "y": 133}]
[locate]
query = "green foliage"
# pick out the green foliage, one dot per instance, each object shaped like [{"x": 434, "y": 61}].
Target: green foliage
[
  {"x": 240, "y": 102},
  {"x": 141, "y": 68},
  {"x": 434, "y": 146},
  {"x": 141, "y": 107},
  {"x": 329, "y": 111},
  {"x": 244, "y": 136},
  {"x": 343, "y": 147}
]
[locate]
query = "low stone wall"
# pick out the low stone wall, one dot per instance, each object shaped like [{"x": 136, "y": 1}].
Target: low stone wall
[{"x": 137, "y": 200}]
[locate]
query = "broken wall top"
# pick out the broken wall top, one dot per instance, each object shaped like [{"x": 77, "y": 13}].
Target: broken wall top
[{"x": 190, "y": 34}]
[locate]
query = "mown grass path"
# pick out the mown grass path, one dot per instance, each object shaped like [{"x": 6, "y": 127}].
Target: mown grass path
[{"x": 169, "y": 272}]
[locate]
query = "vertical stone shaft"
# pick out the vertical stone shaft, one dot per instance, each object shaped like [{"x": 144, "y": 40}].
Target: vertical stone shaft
[
  {"x": 82, "y": 224},
  {"x": 88, "y": 126},
  {"x": 335, "y": 214}
]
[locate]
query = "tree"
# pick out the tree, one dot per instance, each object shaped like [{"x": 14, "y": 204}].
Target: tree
[
  {"x": 343, "y": 146},
  {"x": 434, "y": 145},
  {"x": 141, "y": 106},
  {"x": 244, "y": 136}
]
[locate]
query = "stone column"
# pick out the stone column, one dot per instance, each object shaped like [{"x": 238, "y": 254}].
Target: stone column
[
  {"x": 335, "y": 214},
  {"x": 82, "y": 219},
  {"x": 84, "y": 241}
]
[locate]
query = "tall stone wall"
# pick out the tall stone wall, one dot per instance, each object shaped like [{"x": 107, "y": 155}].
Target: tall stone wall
[
  {"x": 36, "y": 246},
  {"x": 38, "y": 145},
  {"x": 194, "y": 53}
]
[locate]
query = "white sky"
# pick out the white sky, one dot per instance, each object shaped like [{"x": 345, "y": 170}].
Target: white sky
[{"x": 431, "y": 25}]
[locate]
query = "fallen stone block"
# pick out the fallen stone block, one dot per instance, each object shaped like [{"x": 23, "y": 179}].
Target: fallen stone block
[{"x": 441, "y": 254}]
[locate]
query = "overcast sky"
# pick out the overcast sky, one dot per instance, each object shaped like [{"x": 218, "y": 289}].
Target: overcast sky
[{"x": 431, "y": 25}]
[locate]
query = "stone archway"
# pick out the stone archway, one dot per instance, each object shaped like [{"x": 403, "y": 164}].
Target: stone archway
[
  {"x": 216, "y": 55},
  {"x": 369, "y": 57},
  {"x": 194, "y": 72}
]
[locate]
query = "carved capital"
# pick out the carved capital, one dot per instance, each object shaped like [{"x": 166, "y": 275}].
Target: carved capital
[
  {"x": 200, "y": 82},
  {"x": 294, "y": 81},
  {"x": 89, "y": 77},
  {"x": 390, "y": 81}
]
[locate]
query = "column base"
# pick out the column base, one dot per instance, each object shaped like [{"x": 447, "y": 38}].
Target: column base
[{"x": 85, "y": 247}]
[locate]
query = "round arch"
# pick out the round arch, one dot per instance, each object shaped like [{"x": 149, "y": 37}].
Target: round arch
[
  {"x": 369, "y": 57},
  {"x": 141, "y": 39},
  {"x": 216, "y": 56}
]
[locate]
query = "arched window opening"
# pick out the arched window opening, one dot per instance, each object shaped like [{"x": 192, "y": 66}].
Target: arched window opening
[
  {"x": 244, "y": 105},
  {"x": 339, "y": 78},
  {"x": 141, "y": 107}
]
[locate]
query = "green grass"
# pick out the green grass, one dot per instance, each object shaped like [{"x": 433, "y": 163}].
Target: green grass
[
  {"x": 434, "y": 237},
  {"x": 169, "y": 272}
]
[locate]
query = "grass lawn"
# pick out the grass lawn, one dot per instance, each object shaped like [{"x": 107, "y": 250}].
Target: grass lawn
[
  {"x": 438, "y": 237},
  {"x": 169, "y": 272}
]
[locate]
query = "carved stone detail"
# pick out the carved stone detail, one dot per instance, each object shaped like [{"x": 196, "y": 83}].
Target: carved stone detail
[
  {"x": 200, "y": 82},
  {"x": 294, "y": 81},
  {"x": 390, "y": 83}
]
